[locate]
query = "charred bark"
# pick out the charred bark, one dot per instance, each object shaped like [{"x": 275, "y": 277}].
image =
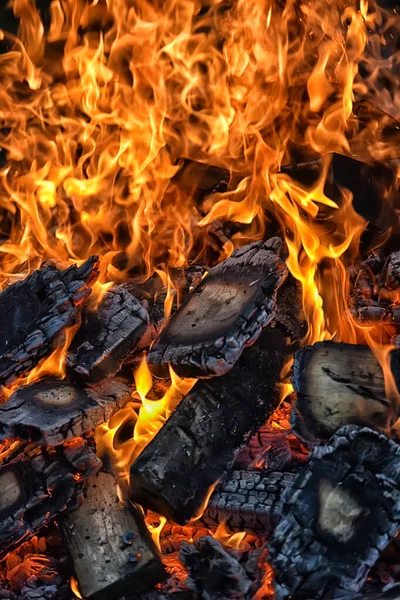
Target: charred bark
[
  {"x": 213, "y": 573},
  {"x": 52, "y": 412},
  {"x": 107, "y": 335},
  {"x": 340, "y": 513},
  {"x": 38, "y": 485},
  {"x": 35, "y": 313},
  {"x": 339, "y": 384},
  {"x": 248, "y": 501},
  {"x": 111, "y": 550},
  {"x": 199, "y": 442},
  {"x": 225, "y": 313}
]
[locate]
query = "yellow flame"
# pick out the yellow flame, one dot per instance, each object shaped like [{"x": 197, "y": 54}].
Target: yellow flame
[{"x": 75, "y": 588}]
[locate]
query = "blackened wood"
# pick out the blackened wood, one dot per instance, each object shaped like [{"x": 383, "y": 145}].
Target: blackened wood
[
  {"x": 36, "y": 311},
  {"x": 339, "y": 384},
  {"x": 212, "y": 572},
  {"x": 390, "y": 592},
  {"x": 111, "y": 550},
  {"x": 224, "y": 313},
  {"x": 52, "y": 412},
  {"x": 107, "y": 335},
  {"x": 38, "y": 485},
  {"x": 199, "y": 442},
  {"x": 340, "y": 513},
  {"x": 248, "y": 501}
]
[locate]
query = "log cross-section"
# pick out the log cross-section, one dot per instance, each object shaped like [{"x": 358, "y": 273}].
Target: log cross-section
[
  {"x": 197, "y": 445},
  {"x": 339, "y": 384},
  {"x": 341, "y": 511},
  {"x": 52, "y": 412},
  {"x": 112, "y": 552},
  {"x": 225, "y": 313},
  {"x": 37, "y": 485}
]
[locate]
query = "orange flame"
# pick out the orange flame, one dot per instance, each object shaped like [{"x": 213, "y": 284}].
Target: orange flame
[{"x": 75, "y": 588}]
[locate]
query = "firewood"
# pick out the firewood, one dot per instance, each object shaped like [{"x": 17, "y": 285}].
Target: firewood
[
  {"x": 199, "y": 442},
  {"x": 225, "y": 313},
  {"x": 38, "y": 485},
  {"x": 36, "y": 311},
  {"x": 340, "y": 513},
  {"x": 339, "y": 384},
  {"x": 212, "y": 572},
  {"x": 248, "y": 501},
  {"x": 111, "y": 550},
  {"x": 51, "y": 412},
  {"x": 107, "y": 335}
]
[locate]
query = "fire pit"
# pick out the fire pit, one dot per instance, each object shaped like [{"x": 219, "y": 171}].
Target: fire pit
[{"x": 200, "y": 300}]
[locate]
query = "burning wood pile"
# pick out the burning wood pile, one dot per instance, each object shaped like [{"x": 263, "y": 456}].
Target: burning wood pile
[{"x": 200, "y": 300}]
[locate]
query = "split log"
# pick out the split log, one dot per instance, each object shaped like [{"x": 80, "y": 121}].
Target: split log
[
  {"x": 52, "y": 412},
  {"x": 339, "y": 384},
  {"x": 212, "y": 572},
  {"x": 40, "y": 484},
  {"x": 107, "y": 335},
  {"x": 111, "y": 550},
  {"x": 225, "y": 313},
  {"x": 340, "y": 513},
  {"x": 35, "y": 313},
  {"x": 248, "y": 501},
  {"x": 199, "y": 442}
]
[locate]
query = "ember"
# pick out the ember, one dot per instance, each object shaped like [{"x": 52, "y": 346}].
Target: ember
[{"x": 200, "y": 289}]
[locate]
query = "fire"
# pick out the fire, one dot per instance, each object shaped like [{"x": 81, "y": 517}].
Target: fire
[
  {"x": 144, "y": 417},
  {"x": 75, "y": 588},
  {"x": 230, "y": 540}
]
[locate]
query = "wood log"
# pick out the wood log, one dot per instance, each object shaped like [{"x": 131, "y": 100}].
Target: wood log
[
  {"x": 38, "y": 485},
  {"x": 248, "y": 501},
  {"x": 52, "y": 412},
  {"x": 212, "y": 572},
  {"x": 199, "y": 442},
  {"x": 225, "y": 313},
  {"x": 111, "y": 550},
  {"x": 107, "y": 335},
  {"x": 340, "y": 513},
  {"x": 339, "y": 384},
  {"x": 36, "y": 312}
]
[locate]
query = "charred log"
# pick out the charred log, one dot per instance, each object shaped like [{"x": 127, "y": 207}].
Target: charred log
[
  {"x": 111, "y": 550},
  {"x": 36, "y": 311},
  {"x": 390, "y": 592},
  {"x": 213, "y": 573},
  {"x": 339, "y": 384},
  {"x": 52, "y": 412},
  {"x": 38, "y": 485},
  {"x": 248, "y": 501},
  {"x": 340, "y": 513},
  {"x": 225, "y": 313},
  {"x": 108, "y": 335},
  {"x": 199, "y": 442},
  {"x": 268, "y": 449}
]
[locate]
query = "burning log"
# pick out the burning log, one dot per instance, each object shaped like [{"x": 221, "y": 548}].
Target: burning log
[
  {"x": 111, "y": 550},
  {"x": 248, "y": 501},
  {"x": 268, "y": 449},
  {"x": 36, "y": 312},
  {"x": 108, "y": 335},
  {"x": 38, "y": 485},
  {"x": 339, "y": 384},
  {"x": 213, "y": 573},
  {"x": 225, "y": 313},
  {"x": 52, "y": 412},
  {"x": 340, "y": 513},
  {"x": 199, "y": 442}
]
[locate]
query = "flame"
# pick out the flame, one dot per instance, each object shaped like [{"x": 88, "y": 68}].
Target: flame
[
  {"x": 75, "y": 588},
  {"x": 145, "y": 414},
  {"x": 230, "y": 540},
  {"x": 155, "y": 531}
]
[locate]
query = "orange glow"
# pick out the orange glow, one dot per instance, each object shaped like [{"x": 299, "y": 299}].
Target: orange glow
[
  {"x": 146, "y": 416},
  {"x": 75, "y": 588},
  {"x": 230, "y": 540}
]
